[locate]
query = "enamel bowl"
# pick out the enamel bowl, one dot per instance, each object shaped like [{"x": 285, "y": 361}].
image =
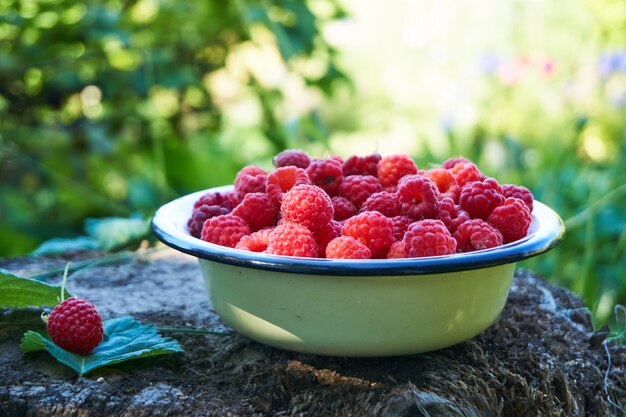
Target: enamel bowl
[{"x": 356, "y": 307}]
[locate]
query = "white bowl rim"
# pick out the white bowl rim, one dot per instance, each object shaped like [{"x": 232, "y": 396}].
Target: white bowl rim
[{"x": 169, "y": 226}]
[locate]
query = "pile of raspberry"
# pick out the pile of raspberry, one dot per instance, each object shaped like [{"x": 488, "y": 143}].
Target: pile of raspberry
[{"x": 364, "y": 207}]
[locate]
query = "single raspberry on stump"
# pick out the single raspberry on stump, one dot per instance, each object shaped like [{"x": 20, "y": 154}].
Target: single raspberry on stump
[
  {"x": 451, "y": 214},
  {"x": 466, "y": 172},
  {"x": 255, "y": 242},
  {"x": 75, "y": 326},
  {"x": 200, "y": 215},
  {"x": 346, "y": 247},
  {"x": 250, "y": 179},
  {"x": 418, "y": 196},
  {"x": 361, "y": 165},
  {"x": 373, "y": 230},
  {"x": 225, "y": 230},
  {"x": 383, "y": 202},
  {"x": 476, "y": 234},
  {"x": 292, "y": 239},
  {"x": 512, "y": 219},
  {"x": 283, "y": 180},
  {"x": 519, "y": 191},
  {"x": 258, "y": 210},
  {"x": 357, "y": 188},
  {"x": 226, "y": 200},
  {"x": 400, "y": 224},
  {"x": 393, "y": 167},
  {"x": 307, "y": 205},
  {"x": 445, "y": 182},
  {"x": 428, "y": 238},
  {"x": 292, "y": 157},
  {"x": 396, "y": 251},
  {"x": 343, "y": 208},
  {"x": 452, "y": 162},
  {"x": 326, "y": 173},
  {"x": 479, "y": 198}
]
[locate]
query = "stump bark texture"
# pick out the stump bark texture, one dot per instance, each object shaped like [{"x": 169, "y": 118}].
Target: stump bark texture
[{"x": 540, "y": 358}]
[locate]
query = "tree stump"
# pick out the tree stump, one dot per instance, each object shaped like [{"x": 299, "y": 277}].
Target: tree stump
[{"x": 540, "y": 358}]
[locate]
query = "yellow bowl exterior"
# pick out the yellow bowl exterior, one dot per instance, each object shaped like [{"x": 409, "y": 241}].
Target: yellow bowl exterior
[{"x": 357, "y": 315}]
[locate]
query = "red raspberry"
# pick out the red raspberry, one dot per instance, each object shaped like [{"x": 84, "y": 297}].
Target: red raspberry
[
  {"x": 224, "y": 230},
  {"x": 250, "y": 179},
  {"x": 361, "y": 165},
  {"x": 396, "y": 251},
  {"x": 200, "y": 215},
  {"x": 357, "y": 188},
  {"x": 400, "y": 224},
  {"x": 428, "y": 238},
  {"x": 75, "y": 326},
  {"x": 326, "y": 173},
  {"x": 518, "y": 191},
  {"x": 445, "y": 182},
  {"x": 452, "y": 162},
  {"x": 465, "y": 173},
  {"x": 393, "y": 167},
  {"x": 476, "y": 234},
  {"x": 373, "y": 230},
  {"x": 451, "y": 214},
  {"x": 307, "y": 205},
  {"x": 324, "y": 235},
  {"x": 418, "y": 196},
  {"x": 258, "y": 210},
  {"x": 512, "y": 219},
  {"x": 292, "y": 239},
  {"x": 255, "y": 242},
  {"x": 283, "y": 180},
  {"x": 292, "y": 157},
  {"x": 383, "y": 202},
  {"x": 479, "y": 198},
  {"x": 344, "y": 209},
  {"x": 226, "y": 200},
  {"x": 346, "y": 247}
]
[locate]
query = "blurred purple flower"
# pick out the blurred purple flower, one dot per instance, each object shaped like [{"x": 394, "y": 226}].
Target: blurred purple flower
[
  {"x": 488, "y": 63},
  {"x": 611, "y": 62}
]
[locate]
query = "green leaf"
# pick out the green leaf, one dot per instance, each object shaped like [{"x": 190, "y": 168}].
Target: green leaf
[
  {"x": 61, "y": 245},
  {"x": 114, "y": 232},
  {"x": 618, "y": 335},
  {"x": 125, "y": 339},
  {"x": 18, "y": 292}
]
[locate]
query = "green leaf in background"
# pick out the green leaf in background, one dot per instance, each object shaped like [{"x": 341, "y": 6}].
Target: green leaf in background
[
  {"x": 19, "y": 292},
  {"x": 125, "y": 339},
  {"x": 618, "y": 335},
  {"x": 114, "y": 232},
  {"x": 61, "y": 245}
]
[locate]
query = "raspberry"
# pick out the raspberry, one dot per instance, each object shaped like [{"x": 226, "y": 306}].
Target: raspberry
[
  {"x": 344, "y": 209},
  {"x": 418, "y": 196},
  {"x": 326, "y": 173},
  {"x": 307, "y": 205},
  {"x": 445, "y": 182},
  {"x": 200, "y": 215},
  {"x": 518, "y": 191},
  {"x": 225, "y": 230},
  {"x": 383, "y": 202},
  {"x": 346, "y": 247},
  {"x": 466, "y": 172},
  {"x": 361, "y": 165},
  {"x": 357, "y": 188},
  {"x": 292, "y": 157},
  {"x": 292, "y": 239},
  {"x": 283, "y": 180},
  {"x": 452, "y": 162},
  {"x": 396, "y": 251},
  {"x": 393, "y": 167},
  {"x": 255, "y": 242},
  {"x": 225, "y": 200},
  {"x": 476, "y": 234},
  {"x": 258, "y": 210},
  {"x": 76, "y": 326},
  {"x": 479, "y": 198},
  {"x": 512, "y": 219},
  {"x": 250, "y": 179},
  {"x": 400, "y": 224},
  {"x": 428, "y": 238},
  {"x": 324, "y": 235},
  {"x": 451, "y": 214},
  {"x": 373, "y": 230}
]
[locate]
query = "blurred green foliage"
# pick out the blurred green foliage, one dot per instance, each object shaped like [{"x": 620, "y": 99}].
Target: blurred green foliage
[{"x": 111, "y": 108}]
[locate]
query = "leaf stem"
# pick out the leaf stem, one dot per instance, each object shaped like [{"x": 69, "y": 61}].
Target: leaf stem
[{"x": 67, "y": 267}]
